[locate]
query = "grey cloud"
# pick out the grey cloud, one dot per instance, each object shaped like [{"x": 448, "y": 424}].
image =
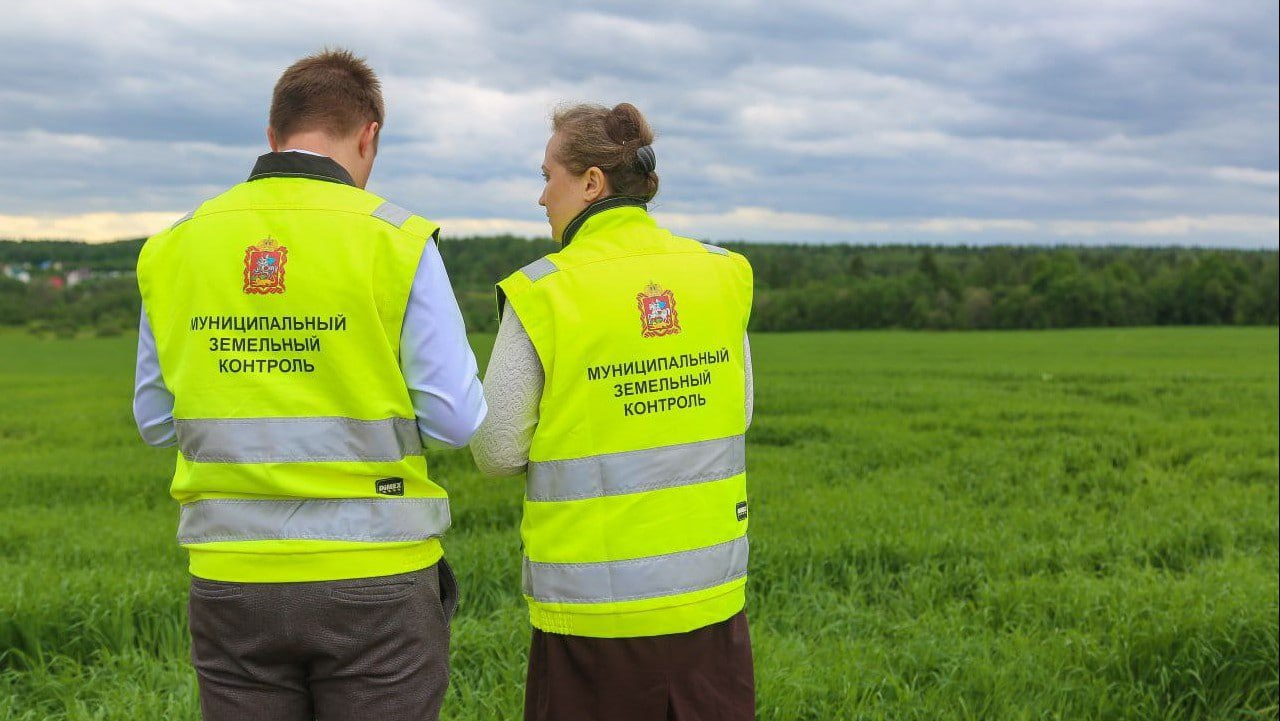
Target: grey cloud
[{"x": 1084, "y": 110}]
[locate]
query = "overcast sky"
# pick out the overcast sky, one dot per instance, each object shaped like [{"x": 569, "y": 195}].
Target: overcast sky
[{"x": 949, "y": 121}]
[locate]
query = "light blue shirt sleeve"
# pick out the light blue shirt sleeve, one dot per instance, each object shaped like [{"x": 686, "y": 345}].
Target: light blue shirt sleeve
[
  {"x": 152, "y": 401},
  {"x": 439, "y": 368}
]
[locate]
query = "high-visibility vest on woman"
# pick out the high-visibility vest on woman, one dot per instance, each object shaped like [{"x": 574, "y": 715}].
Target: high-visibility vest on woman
[
  {"x": 276, "y": 309},
  {"x": 635, "y": 513}
]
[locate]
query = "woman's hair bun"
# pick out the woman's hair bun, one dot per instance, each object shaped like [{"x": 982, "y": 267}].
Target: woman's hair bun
[
  {"x": 610, "y": 139},
  {"x": 626, "y": 126}
]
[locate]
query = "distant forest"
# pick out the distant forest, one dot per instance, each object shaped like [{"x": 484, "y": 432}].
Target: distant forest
[{"x": 798, "y": 287}]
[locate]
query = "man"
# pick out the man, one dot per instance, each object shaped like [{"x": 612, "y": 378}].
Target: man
[{"x": 300, "y": 344}]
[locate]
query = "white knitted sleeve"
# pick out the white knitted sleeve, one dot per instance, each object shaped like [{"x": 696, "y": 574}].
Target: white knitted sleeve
[{"x": 513, "y": 390}]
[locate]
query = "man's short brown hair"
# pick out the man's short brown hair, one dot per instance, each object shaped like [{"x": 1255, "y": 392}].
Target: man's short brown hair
[{"x": 333, "y": 90}]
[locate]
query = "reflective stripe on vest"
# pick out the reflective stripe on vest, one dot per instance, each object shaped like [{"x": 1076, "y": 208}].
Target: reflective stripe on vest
[
  {"x": 636, "y": 578},
  {"x": 539, "y": 269},
  {"x": 392, "y": 213},
  {"x": 296, "y": 440},
  {"x": 616, "y": 474},
  {"x": 190, "y": 214},
  {"x": 373, "y": 520}
]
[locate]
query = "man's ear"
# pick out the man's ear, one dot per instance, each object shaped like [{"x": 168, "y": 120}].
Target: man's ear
[
  {"x": 272, "y": 141},
  {"x": 369, "y": 139},
  {"x": 595, "y": 185}
]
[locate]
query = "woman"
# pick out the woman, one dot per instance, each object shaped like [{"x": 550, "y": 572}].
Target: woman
[{"x": 620, "y": 379}]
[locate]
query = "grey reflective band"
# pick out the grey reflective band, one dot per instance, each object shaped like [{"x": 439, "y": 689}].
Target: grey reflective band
[
  {"x": 636, "y": 578},
  {"x": 715, "y": 249},
  {"x": 616, "y": 474},
  {"x": 539, "y": 269},
  {"x": 296, "y": 440},
  {"x": 371, "y": 520},
  {"x": 392, "y": 213},
  {"x": 183, "y": 219}
]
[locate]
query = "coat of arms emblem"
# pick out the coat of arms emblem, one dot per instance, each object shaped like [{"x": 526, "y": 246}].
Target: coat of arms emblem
[
  {"x": 657, "y": 312},
  {"x": 264, "y": 267}
]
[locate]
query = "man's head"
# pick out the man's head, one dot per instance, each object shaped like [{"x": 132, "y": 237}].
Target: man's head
[{"x": 329, "y": 103}]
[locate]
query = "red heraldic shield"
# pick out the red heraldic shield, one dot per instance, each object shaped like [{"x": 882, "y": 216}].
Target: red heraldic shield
[
  {"x": 264, "y": 267},
  {"x": 657, "y": 312}
]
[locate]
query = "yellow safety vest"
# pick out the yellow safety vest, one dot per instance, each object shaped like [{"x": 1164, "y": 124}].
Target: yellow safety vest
[
  {"x": 635, "y": 513},
  {"x": 276, "y": 309}
]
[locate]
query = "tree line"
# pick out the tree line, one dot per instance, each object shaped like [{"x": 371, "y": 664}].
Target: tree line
[{"x": 798, "y": 287}]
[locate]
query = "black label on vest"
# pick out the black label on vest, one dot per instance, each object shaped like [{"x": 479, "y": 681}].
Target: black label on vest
[
  {"x": 742, "y": 511},
  {"x": 390, "y": 486}
]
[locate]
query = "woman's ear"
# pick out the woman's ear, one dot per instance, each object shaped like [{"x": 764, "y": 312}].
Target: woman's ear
[{"x": 595, "y": 185}]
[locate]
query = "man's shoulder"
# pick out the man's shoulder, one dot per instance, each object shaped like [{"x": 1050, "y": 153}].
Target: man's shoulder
[
  {"x": 402, "y": 218},
  {"x": 352, "y": 199},
  {"x": 204, "y": 207}
]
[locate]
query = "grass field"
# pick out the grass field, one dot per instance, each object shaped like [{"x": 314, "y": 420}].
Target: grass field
[{"x": 1036, "y": 525}]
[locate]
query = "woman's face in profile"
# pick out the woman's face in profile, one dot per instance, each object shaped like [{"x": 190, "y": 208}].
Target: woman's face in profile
[{"x": 565, "y": 194}]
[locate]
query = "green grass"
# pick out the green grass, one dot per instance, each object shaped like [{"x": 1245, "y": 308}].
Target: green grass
[{"x": 1038, "y": 525}]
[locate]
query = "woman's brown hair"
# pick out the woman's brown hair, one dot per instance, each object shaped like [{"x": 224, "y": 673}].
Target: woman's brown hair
[{"x": 593, "y": 136}]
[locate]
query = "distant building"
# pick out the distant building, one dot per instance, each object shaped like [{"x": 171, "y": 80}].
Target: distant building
[
  {"x": 17, "y": 273},
  {"x": 78, "y": 276}
]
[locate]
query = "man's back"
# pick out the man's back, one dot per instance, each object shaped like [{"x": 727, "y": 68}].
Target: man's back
[
  {"x": 300, "y": 344},
  {"x": 277, "y": 309}
]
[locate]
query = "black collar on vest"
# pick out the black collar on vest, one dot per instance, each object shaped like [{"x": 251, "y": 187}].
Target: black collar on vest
[
  {"x": 300, "y": 165},
  {"x": 613, "y": 201}
]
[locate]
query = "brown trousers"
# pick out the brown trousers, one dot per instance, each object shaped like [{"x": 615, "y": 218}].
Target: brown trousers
[
  {"x": 702, "y": 675},
  {"x": 368, "y": 648}
]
